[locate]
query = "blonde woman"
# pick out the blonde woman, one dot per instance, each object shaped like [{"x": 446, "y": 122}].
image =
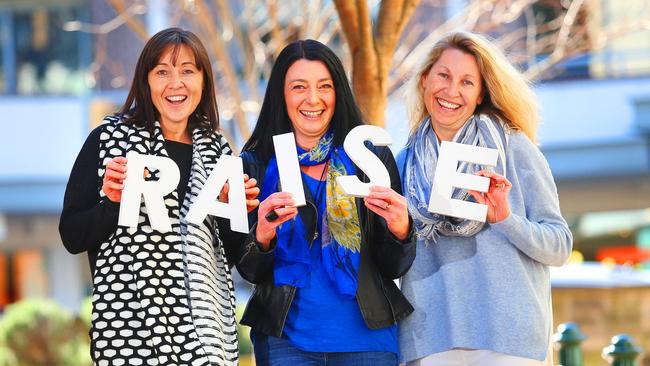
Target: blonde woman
[{"x": 481, "y": 291}]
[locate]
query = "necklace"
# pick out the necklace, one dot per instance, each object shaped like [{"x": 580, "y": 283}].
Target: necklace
[
  {"x": 318, "y": 193},
  {"x": 321, "y": 187}
]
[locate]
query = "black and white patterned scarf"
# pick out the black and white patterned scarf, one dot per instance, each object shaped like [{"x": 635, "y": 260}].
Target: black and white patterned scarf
[
  {"x": 422, "y": 157},
  {"x": 163, "y": 298}
]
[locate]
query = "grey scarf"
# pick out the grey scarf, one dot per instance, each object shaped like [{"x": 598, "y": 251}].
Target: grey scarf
[{"x": 421, "y": 159}]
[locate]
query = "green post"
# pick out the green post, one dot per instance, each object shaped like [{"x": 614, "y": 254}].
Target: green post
[
  {"x": 569, "y": 337},
  {"x": 622, "y": 351}
]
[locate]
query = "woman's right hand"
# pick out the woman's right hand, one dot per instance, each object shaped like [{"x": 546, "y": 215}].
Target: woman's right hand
[
  {"x": 114, "y": 178},
  {"x": 282, "y": 203}
]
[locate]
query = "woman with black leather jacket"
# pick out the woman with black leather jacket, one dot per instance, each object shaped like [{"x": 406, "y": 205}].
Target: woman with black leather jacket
[{"x": 323, "y": 272}]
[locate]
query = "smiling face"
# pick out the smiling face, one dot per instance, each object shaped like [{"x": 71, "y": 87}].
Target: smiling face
[
  {"x": 176, "y": 87},
  {"x": 310, "y": 98},
  {"x": 452, "y": 90}
]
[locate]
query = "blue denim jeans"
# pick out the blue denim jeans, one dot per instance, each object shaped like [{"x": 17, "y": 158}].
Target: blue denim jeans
[{"x": 272, "y": 351}]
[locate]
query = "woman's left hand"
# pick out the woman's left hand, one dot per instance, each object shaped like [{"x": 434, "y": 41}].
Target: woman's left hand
[
  {"x": 252, "y": 191},
  {"x": 496, "y": 198},
  {"x": 390, "y": 205}
]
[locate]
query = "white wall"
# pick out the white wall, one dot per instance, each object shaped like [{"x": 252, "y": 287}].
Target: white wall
[
  {"x": 40, "y": 137},
  {"x": 589, "y": 110}
]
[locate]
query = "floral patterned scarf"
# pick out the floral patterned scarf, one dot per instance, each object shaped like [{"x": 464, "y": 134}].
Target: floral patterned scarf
[{"x": 340, "y": 233}]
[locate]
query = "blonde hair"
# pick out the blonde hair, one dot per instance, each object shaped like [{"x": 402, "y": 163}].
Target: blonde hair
[{"x": 507, "y": 94}]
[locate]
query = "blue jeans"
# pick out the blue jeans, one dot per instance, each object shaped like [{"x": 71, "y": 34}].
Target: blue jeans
[{"x": 272, "y": 351}]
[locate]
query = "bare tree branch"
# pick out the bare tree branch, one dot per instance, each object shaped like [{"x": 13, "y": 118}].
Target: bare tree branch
[
  {"x": 219, "y": 49},
  {"x": 537, "y": 34},
  {"x": 603, "y": 39},
  {"x": 393, "y": 16},
  {"x": 531, "y": 31},
  {"x": 561, "y": 42},
  {"x": 277, "y": 35},
  {"x": 349, "y": 21},
  {"x": 250, "y": 71},
  {"x": 124, "y": 15},
  {"x": 135, "y": 24}
]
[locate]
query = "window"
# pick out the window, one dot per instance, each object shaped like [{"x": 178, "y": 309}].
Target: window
[
  {"x": 39, "y": 57},
  {"x": 5, "y": 43},
  {"x": 626, "y": 54},
  {"x": 3, "y": 81},
  {"x": 621, "y": 55}
]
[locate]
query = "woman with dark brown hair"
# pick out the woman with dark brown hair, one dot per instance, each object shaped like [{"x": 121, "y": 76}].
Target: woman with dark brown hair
[
  {"x": 163, "y": 298},
  {"x": 323, "y": 272}
]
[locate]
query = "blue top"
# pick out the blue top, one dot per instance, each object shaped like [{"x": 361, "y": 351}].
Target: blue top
[
  {"x": 320, "y": 318},
  {"x": 491, "y": 291}
]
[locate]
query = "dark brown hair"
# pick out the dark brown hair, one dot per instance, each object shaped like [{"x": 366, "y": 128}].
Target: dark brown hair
[
  {"x": 138, "y": 109},
  {"x": 274, "y": 119}
]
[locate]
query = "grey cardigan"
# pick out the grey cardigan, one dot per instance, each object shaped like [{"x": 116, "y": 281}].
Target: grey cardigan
[{"x": 491, "y": 291}]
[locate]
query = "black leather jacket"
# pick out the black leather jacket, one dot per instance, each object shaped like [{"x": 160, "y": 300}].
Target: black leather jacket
[{"x": 382, "y": 259}]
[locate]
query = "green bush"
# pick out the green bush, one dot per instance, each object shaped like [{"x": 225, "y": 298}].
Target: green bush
[
  {"x": 243, "y": 333},
  {"x": 40, "y": 332},
  {"x": 86, "y": 312}
]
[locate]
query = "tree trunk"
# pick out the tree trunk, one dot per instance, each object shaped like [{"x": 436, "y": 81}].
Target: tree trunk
[
  {"x": 369, "y": 88},
  {"x": 372, "y": 52}
]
